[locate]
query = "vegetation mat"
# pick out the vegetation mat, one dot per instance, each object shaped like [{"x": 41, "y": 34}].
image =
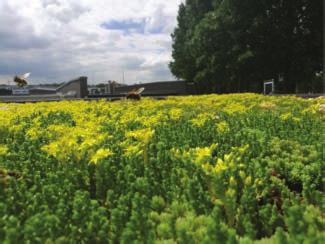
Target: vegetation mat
[{"x": 204, "y": 169}]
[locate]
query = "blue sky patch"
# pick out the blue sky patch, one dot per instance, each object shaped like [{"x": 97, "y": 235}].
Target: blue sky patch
[{"x": 126, "y": 26}]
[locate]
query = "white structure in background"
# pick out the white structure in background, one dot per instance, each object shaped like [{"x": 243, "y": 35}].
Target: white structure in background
[{"x": 269, "y": 87}]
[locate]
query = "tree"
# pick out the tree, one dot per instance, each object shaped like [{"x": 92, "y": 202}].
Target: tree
[
  {"x": 183, "y": 65},
  {"x": 234, "y": 45},
  {"x": 189, "y": 15}
]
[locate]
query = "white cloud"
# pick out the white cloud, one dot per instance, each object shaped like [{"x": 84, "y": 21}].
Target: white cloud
[{"x": 58, "y": 40}]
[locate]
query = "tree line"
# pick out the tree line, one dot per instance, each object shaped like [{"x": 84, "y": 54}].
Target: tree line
[{"x": 235, "y": 45}]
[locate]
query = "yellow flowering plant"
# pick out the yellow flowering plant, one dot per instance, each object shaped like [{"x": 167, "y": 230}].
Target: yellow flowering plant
[{"x": 182, "y": 168}]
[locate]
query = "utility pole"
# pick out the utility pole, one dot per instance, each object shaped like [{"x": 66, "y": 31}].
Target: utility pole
[{"x": 123, "y": 77}]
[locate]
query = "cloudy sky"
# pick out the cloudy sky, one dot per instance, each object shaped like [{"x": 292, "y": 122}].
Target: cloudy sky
[{"x": 57, "y": 40}]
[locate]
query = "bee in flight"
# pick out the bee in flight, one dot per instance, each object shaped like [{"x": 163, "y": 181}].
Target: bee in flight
[
  {"x": 135, "y": 94},
  {"x": 21, "y": 81}
]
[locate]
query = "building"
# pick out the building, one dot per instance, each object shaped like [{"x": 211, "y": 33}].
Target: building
[
  {"x": 76, "y": 88},
  {"x": 5, "y": 90},
  {"x": 157, "y": 88}
]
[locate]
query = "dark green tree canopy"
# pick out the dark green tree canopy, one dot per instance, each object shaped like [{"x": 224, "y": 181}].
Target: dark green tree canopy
[{"x": 233, "y": 45}]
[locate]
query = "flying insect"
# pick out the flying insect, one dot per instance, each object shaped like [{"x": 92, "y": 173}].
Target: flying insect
[
  {"x": 21, "y": 81},
  {"x": 135, "y": 94}
]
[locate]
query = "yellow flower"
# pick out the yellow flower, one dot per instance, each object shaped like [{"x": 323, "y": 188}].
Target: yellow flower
[
  {"x": 152, "y": 120},
  {"x": 242, "y": 166},
  {"x": 51, "y": 149},
  {"x": 232, "y": 181},
  {"x": 3, "y": 150},
  {"x": 220, "y": 166},
  {"x": 230, "y": 193},
  {"x": 175, "y": 113},
  {"x": 33, "y": 133},
  {"x": 243, "y": 149},
  {"x": 242, "y": 174},
  {"x": 235, "y": 108},
  {"x": 101, "y": 154},
  {"x": 267, "y": 105},
  {"x": 203, "y": 155},
  {"x": 248, "y": 181},
  {"x": 258, "y": 182},
  {"x": 207, "y": 167},
  {"x": 228, "y": 157},
  {"x": 222, "y": 126},
  {"x": 322, "y": 108},
  {"x": 296, "y": 120},
  {"x": 88, "y": 143},
  {"x": 201, "y": 119},
  {"x": 133, "y": 150},
  {"x": 286, "y": 116},
  {"x": 142, "y": 135}
]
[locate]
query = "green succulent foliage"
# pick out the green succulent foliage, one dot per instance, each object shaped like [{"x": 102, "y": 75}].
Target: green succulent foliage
[{"x": 256, "y": 178}]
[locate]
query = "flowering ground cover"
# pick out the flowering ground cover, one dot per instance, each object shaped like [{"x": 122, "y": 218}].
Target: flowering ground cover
[{"x": 204, "y": 169}]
